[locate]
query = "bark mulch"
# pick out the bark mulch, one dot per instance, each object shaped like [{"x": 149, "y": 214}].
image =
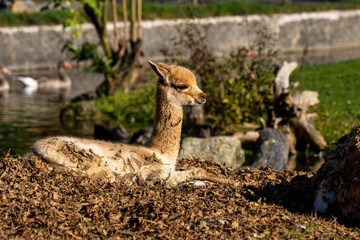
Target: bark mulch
[{"x": 38, "y": 202}]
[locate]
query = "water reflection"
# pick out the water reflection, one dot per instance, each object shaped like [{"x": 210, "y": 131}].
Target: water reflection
[
  {"x": 4, "y": 95},
  {"x": 29, "y": 115}
]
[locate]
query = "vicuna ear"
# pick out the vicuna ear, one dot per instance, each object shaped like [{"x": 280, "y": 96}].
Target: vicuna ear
[{"x": 161, "y": 71}]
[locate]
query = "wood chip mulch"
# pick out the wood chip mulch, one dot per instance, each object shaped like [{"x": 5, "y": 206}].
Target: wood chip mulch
[{"x": 41, "y": 203}]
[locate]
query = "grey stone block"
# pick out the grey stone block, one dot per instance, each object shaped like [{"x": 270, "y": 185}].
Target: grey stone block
[
  {"x": 221, "y": 149},
  {"x": 40, "y": 46},
  {"x": 272, "y": 150}
]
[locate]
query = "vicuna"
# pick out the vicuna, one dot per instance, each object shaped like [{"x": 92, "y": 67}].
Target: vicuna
[{"x": 176, "y": 87}]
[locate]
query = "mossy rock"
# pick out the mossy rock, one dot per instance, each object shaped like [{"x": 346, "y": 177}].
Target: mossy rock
[{"x": 78, "y": 113}]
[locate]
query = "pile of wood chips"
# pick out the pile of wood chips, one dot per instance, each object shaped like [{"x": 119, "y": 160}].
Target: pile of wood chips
[{"x": 37, "y": 203}]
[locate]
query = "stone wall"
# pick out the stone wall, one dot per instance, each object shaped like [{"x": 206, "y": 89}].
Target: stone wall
[{"x": 24, "y": 48}]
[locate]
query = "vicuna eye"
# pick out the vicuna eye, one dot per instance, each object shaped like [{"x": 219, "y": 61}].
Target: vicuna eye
[{"x": 181, "y": 87}]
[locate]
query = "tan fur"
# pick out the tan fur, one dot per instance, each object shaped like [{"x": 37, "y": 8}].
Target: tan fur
[{"x": 156, "y": 162}]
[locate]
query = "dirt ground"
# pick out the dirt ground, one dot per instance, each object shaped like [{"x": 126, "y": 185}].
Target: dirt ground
[{"x": 38, "y": 203}]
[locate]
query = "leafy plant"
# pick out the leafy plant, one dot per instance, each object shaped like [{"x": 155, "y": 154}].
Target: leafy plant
[
  {"x": 239, "y": 86},
  {"x": 87, "y": 50},
  {"x": 136, "y": 106}
]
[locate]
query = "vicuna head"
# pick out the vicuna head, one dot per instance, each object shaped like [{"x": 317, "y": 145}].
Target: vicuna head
[{"x": 179, "y": 84}]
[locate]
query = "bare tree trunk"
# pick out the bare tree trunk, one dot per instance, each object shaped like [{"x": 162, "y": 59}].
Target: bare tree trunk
[
  {"x": 127, "y": 60},
  {"x": 100, "y": 25},
  {"x": 139, "y": 19}
]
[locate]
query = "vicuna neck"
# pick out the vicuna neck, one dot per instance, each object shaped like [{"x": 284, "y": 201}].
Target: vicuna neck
[{"x": 166, "y": 135}]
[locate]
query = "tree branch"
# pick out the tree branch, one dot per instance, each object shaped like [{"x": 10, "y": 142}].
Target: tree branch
[{"x": 100, "y": 25}]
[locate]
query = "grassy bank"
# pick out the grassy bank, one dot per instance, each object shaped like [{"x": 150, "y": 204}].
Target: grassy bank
[
  {"x": 338, "y": 86},
  {"x": 166, "y": 11}
]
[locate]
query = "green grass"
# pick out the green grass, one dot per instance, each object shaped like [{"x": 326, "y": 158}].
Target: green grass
[
  {"x": 338, "y": 85},
  {"x": 49, "y": 17},
  {"x": 151, "y": 11},
  {"x": 168, "y": 11}
]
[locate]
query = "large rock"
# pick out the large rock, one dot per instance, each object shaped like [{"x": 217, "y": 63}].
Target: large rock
[
  {"x": 80, "y": 115},
  {"x": 221, "y": 149},
  {"x": 338, "y": 179},
  {"x": 272, "y": 149}
]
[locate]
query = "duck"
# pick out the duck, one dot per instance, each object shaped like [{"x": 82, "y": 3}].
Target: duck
[
  {"x": 49, "y": 82},
  {"x": 4, "y": 85}
]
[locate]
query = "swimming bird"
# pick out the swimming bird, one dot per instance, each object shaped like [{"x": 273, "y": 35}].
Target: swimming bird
[
  {"x": 4, "y": 85},
  {"x": 49, "y": 82}
]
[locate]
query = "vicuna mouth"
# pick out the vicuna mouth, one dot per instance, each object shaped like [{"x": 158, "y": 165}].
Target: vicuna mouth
[{"x": 200, "y": 101}]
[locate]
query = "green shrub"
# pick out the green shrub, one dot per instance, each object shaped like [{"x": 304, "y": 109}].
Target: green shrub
[
  {"x": 134, "y": 107},
  {"x": 239, "y": 87}
]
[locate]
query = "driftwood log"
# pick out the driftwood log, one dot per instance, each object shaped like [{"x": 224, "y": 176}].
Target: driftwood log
[{"x": 290, "y": 115}]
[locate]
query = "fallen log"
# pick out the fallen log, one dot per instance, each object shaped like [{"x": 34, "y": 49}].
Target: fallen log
[{"x": 250, "y": 136}]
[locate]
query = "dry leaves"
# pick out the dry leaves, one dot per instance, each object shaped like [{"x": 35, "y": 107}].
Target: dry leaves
[{"x": 40, "y": 202}]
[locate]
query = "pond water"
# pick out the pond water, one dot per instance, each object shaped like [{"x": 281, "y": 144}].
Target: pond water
[{"x": 26, "y": 116}]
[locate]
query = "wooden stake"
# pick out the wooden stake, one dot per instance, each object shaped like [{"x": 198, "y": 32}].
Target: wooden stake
[
  {"x": 116, "y": 40},
  {"x": 133, "y": 20},
  {"x": 126, "y": 30},
  {"x": 139, "y": 18}
]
